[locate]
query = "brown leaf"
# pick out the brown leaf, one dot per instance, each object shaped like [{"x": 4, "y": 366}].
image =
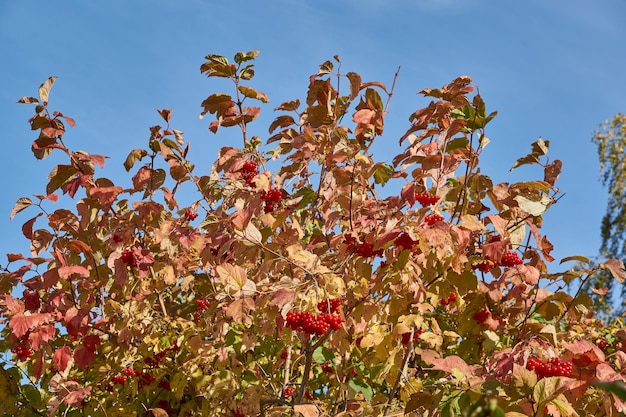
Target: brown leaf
[
  {"x": 282, "y": 297},
  {"x": 307, "y": 410},
  {"x": 66, "y": 272},
  {"x": 105, "y": 195},
  {"x": 20, "y": 205},
  {"x": 617, "y": 269},
  {"x": 159, "y": 412}
]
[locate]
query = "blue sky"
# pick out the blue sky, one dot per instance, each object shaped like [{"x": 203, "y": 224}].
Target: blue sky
[{"x": 553, "y": 69}]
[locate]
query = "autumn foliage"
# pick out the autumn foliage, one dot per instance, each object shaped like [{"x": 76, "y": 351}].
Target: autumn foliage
[{"x": 306, "y": 277}]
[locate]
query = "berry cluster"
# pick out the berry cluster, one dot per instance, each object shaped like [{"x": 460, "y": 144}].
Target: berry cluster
[
  {"x": 451, "y": 298},
  {"x": 510, "y": 258},
  {"x": 23, "y": 349},
  {"x": 364, "y": 249},
  {"x": 328, "y": 368},
  {"x": 190, "y": 215},
  {"x": 602, "y": 343},
  {"x": 405, "y": 241},
  {"x": 329, "y": 306},
  {"x": 406, "y": 337},
  {"x": 128, "y": 258},
  {"x": 426, "y": 199},
  {"x": 553, "y": 367},
  {"x": 158, "y": 358},
  {"x": 201, "y": 305},
  {"x": 433, "y": 218},
  {"x": 271, "y": 197},
  {"x": 481, "y": 316},
  {"x": 320, "y": 324},
  {"x": 249, "y": 170},
  {"x": 289, "y": 391},
  {"x": 144, "y": 377}
]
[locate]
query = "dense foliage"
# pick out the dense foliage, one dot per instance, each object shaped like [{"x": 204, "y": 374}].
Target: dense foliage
[
  {"x": 309, "y": 290},
  {"x": 611, "y": 142}
]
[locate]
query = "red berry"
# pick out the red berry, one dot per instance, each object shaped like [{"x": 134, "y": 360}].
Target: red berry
[
  {"x": 416, "y": 336},
  {"x": 128, "y": 258},
  {"x": 602, "y": 343},
  {"x": 308, "y": 396},
  {"x": 426, "y": 199},
  {"x": 481, "y": 316},
  {"x": 444, "y": 302},
  {"x": 327, "y": 367},
  {"x": 284, "y": 354},
  {"x": 289, "y": 391},
  {"x": 433, "y": 218},
  {"x": 119, "y": 379},
  {"x": 117, "y": 238},
  {"x": 190, "y": 215},
  {"x": 452, "y": 297},
  {"x": 404, "y": 241},
  {"x": 237, "y": 413},
  {"x": 510, "y": 259}
]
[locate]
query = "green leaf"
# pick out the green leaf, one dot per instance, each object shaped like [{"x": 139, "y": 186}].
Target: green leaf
[
  {"x": 362, "y": 387},
  {"x": 373, "y": 99},
  {"x": 60, "y": 175},
  {"x": 382, "y": 173},
  {"x": 322, "y": 355},
  {"x": 241, "y": 57},
  {"x": 618, "y": 388},
  {"x": 452, "y": 404},
  {"x": 545, "y": 389}
]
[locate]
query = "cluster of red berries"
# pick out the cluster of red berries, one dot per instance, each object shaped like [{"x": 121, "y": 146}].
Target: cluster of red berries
[
  {"x": 289, "y": 391},
  {"x": 328, "y": 368},
  {"x": 201, "y": 305},
  {"x": 553, "y": 367},
  {"x": 128, "y": 258},
  {"x": 433, "y": 218},
  {"x": 364, "y": 249},
  {"x": 510, "y": 259},
  {"x": 158, "y": 358},
  {"x": 319, "y": 324},
  {"x": 329, "y": 306},
  {"x": 249, "y": 170},
  {"x": 23, "y": 349},
  {"x": 190, "y": 215},
  {"x": 426, "y": 199},
  {"x": 406, "y": 337},
  {"x": 481, "y": 316},
  {"x": 602, "y": 343},
  {"x": 271, "y": 197},
  {"x": 405, "y": 241},
  {"x": 451, "y": 298}
]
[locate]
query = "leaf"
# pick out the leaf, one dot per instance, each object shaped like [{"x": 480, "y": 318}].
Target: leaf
[
  {"x": 534, "y": 208},
  {"x": 166, "y": 114},
  {"x": 382, "y": 173},
  {"x": 159, "y": 412},
  {"x": 282, "y": 297},
  {"x": 66, "y": 272},
  {"x": 451, "y": 364},
  {"x": 28, "y": 100},
  {"x": 252, "y": 93},
  {"x": 307, "y": 410},
  {"x": 616, "y": 267},
  {"x": 134, "y": 156},
  {"x": 578, "y": 258},
  {"x": 44, "y": 89},
  {"x": 545, "y": 389},
  {"x": 618, "y": 388},
  {"x": 355, "y": 84},
  {"x": 289, "y": 105},
  {"x": 21, "y": 204},
  {"x": 361, "y": 386},
  {"x": 61, "y": 358}
]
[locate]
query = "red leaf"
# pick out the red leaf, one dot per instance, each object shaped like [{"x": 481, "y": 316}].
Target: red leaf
[
  {"x": 62, "y": 357},
  {"x": 66, "y": 272},
  {"x": 282, "y": 297},
  {"x": 41, "y": 335},
  {"x": 91, "y": 342},
  {"x": 13, "y": 305},
  {"x": 452, "y": 363},
  {"x": 20, "y": 323},
  {"x": 12, "y": 257},
  {"x": 83, "y": 357},
  {"x": 106, "y": 195},
  {"x": 27, "y": 228}
]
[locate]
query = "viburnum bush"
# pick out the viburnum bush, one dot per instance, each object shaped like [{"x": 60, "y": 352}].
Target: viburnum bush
[{"x": 333, "y": 284}]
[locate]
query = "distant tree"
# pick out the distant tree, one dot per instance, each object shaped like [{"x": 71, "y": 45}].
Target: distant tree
[
  {"x": 611, "y": 142},
  {"x": 292, "y": 284}
]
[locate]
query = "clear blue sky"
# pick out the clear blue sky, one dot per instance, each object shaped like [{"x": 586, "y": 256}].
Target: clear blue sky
[{"x": 552, "y": 68}]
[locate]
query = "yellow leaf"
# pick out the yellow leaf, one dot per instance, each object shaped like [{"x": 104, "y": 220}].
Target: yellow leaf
[{"x": 470, "y": 222}]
